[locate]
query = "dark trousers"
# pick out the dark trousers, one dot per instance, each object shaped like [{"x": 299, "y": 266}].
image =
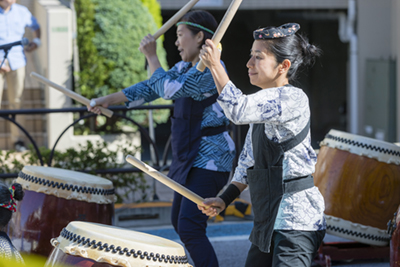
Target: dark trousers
[
  {"x": 189, "y": 222},
  {"x": 288, "y": 249}
]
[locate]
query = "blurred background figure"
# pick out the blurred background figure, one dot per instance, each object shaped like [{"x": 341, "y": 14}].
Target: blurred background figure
[
  {"x": 14, "y": 18},
  {"x": 8, "y": 196}
]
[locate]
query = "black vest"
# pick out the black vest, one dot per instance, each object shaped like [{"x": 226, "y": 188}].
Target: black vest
[
  {"x": 186, "y": 134},
  {"x": 266, "y": 183}
]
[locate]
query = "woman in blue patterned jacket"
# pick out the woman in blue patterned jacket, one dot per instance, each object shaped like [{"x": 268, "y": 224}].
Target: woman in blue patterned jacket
[
  {"x": 277, "y": 159},
  {"x": 202, "y": 149}
]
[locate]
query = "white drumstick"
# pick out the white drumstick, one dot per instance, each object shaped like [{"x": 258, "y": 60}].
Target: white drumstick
[
  {"x": 165, "y": 180},
  {"x": 222, "y": 27},
  {"x": 71, "y": 94},
  {"x": 174, "y": 19}
]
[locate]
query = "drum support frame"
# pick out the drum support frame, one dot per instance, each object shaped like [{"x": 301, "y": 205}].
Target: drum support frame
[{"x": 344, "y": 251}]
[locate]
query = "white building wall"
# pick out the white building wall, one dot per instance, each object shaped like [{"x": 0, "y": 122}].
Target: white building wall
[
  {"x": 377, "y": 39},
  {"x": 396, "y": 52}
]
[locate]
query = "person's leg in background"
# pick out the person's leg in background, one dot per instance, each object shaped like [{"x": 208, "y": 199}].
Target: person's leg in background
[
  {"x": 176, "y": 206},
  {"x": 15, "y": 86},
  {"x": 192, "y": 223},
  {"x": 2, "y": 79}
]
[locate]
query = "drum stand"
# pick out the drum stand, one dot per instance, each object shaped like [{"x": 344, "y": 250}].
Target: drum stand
[{"x": 346, "y": 251}]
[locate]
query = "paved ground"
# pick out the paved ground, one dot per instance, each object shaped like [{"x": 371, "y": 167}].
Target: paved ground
[
  {"x": 230, "y": 241},
  {"x": 230, "y": 238}
]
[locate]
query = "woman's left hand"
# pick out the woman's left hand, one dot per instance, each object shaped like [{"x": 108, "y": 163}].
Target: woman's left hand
[
  {"x": 209, "y": 54},
  {"x": 212, "y": 206}
]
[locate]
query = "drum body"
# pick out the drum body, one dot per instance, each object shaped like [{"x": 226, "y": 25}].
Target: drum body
[
  {"x": 394, "y": 231},
  {"x": 359, "y": 178},
  {"x": 53, "y": 198},
  {"x": 96, "y": 245}
]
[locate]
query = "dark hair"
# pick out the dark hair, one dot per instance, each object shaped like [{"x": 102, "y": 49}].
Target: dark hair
[
  {"x": 295, "y": 48},
  {"x": 5, "y": 214},
  {"x": 203, "y": 18}
]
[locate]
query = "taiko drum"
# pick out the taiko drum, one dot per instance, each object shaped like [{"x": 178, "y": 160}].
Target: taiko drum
[
  {"x": 96, "y": 245},
  {"x": 359, "y": 178},
  {"x": 53, "y": 198}
]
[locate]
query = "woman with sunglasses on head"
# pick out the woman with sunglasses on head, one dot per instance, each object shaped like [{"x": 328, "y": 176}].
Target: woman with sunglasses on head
[
  {"x": 277, "y": 159},
  {"x": 202, "y": 150},
  {"x": 8, "y": 196}
]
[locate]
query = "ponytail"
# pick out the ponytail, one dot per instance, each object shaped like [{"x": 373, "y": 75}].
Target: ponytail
[
  {"x": 8, "y": 195},
  {"x": 310, "y": 52}
]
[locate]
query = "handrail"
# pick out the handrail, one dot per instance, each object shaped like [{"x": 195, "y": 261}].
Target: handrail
[
  {"x": 7, "y": 112},
  {"x": 11, "y": 114}
]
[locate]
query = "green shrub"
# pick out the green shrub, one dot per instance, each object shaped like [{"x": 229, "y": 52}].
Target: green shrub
[
  {"x": 109, "y": 34},
  {"x": 155, "y": 10},
  {"x": 93, "y": 71}
]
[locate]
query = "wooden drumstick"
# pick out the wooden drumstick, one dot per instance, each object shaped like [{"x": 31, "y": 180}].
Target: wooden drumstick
[
  {"x": 174, "y": 19},
  {"x": 223, "y": 25},
  {"x": 71, "y": 94},
  {"x": 165, "y": 180}
]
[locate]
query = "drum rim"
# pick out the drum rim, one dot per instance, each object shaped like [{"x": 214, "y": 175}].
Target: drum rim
[
  {"x": 356, "y": 231},
  {"x": 364, "y": 146},
  {"x": 64, "y": 174},
  {"x": 71, "y": 243},
  {"x": 100, "y": 193},
  {"x": 64, "y": 186}
]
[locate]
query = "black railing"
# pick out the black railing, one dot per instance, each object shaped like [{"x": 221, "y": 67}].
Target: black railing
[{"x": 119, "y": 111}]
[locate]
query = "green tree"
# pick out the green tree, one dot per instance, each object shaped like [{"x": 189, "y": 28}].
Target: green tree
[
  {"x": 93, "y": 72},
  {"x": 155, "y": 10},
  {"x": 109, "y": 34}
]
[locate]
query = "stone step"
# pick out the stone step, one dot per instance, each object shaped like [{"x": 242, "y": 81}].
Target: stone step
[{"x": 142, "y": 214}]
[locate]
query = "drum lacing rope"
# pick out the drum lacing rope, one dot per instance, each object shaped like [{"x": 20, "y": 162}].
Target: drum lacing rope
[
  {"x": 366, "y": 146},
  {"x": 84, "y": 189},
  {"x": 128, "y": 252},
  {"x": 357, "y": 234}
]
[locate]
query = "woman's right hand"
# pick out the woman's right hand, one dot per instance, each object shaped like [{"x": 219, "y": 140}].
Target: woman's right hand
[
  {"x": 148, "y": 46},
  {"x": 209, "y": 54},
  {"x": 212, "y": 206},
  {"x": 100, "y": 102}
]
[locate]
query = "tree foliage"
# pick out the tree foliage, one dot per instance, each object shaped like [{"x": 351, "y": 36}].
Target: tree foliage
[
  {"x": 109, "y": 34},
  {"x": 155, "y": 10}
]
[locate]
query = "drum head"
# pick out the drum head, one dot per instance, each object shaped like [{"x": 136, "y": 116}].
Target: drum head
[
  {"x": 117, "y": 246},
  {"x": 67, "y": 184},
  {"x": 363, "y": 146}
]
